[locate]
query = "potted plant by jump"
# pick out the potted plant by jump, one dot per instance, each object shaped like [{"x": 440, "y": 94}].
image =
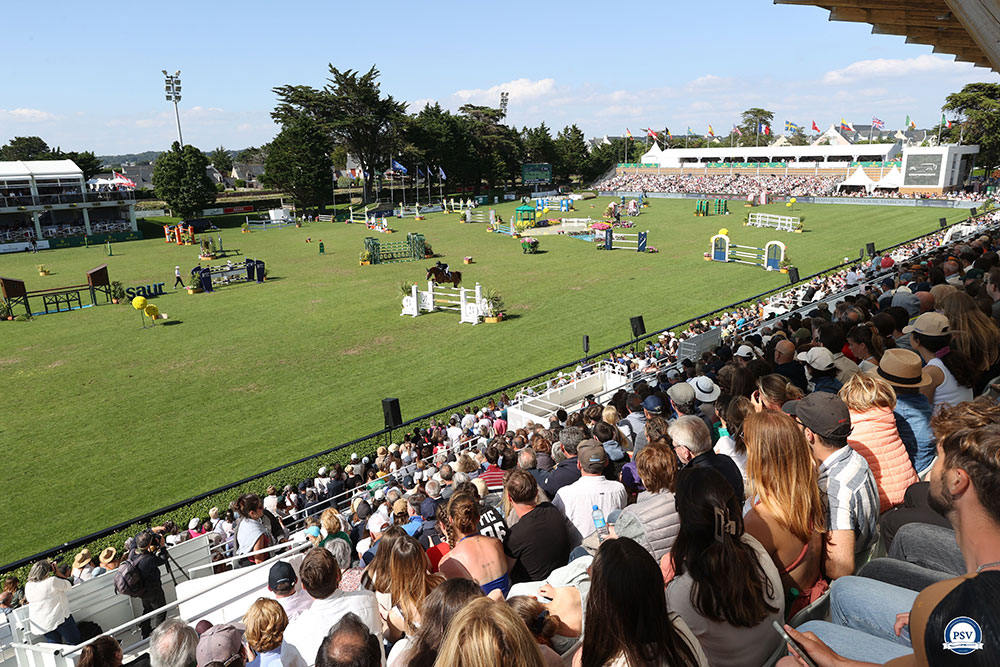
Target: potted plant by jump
[
  {"x": 364, "y": 258},
  {"x": 494, "y": 307},
  {"x": 194, "y": 284},
  {"x": 42, "y": 269},
  {"x": 117, "y": 291},
  {"x": 245, "y": 228}
]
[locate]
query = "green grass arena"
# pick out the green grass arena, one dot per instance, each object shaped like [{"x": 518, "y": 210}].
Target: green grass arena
[{"x": 103, "y": 420}]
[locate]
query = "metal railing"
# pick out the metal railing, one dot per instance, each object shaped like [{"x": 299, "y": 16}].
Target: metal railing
[{"x": 12, "y": 201}]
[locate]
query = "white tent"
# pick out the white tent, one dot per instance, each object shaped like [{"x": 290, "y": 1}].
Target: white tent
[
  {"x": 858, "y": 178},
  {"x": 893, "y": 179},
  {"x": 652, "y": 156}
]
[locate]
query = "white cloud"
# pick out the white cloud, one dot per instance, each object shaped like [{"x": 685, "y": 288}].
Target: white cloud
[
  {"x": 27, "y": 115},
  {"x": 888, "y": 67},
  {"x": 520, "y": 90},
  {"x": 416, "y": 106}
]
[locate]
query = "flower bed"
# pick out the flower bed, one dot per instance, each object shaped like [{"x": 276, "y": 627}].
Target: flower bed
[{"x": 529, "y": 245}]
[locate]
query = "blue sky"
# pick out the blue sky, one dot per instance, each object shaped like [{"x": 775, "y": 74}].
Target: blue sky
[{"x": 88, "y": 78}]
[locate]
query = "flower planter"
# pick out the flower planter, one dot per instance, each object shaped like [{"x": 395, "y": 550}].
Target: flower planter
[
  {"x": 364, "y": 262},
  {"x": 43, "y": 273},
  {"x": 466, "y": 261},
  {"x": 493, "y": 320},
  {"x": 193, "y": 290},
  {"x": 783, "y": 270}
]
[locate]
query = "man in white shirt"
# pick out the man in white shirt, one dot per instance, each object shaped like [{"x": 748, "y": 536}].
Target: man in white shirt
[
  {"x": 281, "y": 581},
  {"x": 454, "y": 432},
  {"x": 578, "y": 499},
  {"x": 469, "y": 420},
  {"x": 321, "y": 579}
]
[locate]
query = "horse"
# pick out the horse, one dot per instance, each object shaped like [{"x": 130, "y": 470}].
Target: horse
[{"x": 440, "y": 277}]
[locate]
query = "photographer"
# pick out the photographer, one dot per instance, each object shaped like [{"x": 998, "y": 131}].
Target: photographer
[
  {"x": 48, "y": 603},
  {"x": 149, "y": 554}
]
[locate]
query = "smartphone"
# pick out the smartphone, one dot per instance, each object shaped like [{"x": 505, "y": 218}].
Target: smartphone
[{"x": 794, "y": 644}]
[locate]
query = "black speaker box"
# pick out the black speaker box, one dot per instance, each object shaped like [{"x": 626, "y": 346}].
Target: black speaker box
[
  {"x": 390, "y": 410},
  {"x": 638, "y": 327},
  {"x": 793, "y": 275},
  {"x": 870, "y": 247},
  {"x": 586, "y": 343}
]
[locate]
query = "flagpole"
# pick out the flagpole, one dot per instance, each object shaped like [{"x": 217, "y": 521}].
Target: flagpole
[
  {"x": 939, "y": 131},
  {"x": 756, "y": 141}
]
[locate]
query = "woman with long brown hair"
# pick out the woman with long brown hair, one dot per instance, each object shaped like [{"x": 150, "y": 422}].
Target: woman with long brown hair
[
  {"x": 731, "y": 441},
  {"x": 252, "y": 533},
  {"x": 446, "y": 600},
  {"x": 787, "y": 517},
  {"x": 976, "y": 336},
  {"x": 772, "y": 391},
  {"x": 627, "y": 622},
  {"x": 867, "y": 345},
  {"x": 726, "y": 587},
  {"x": 410, "y": 581},
  {"x": 376, "y": 576},
  {"x": 473, "y": 555}
]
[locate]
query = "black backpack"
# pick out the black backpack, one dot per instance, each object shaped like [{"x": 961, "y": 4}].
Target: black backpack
[{"x": 128, "y": 579}]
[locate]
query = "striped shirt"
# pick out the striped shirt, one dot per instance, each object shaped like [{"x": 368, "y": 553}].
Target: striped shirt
[{"x": 850, "y": 496}]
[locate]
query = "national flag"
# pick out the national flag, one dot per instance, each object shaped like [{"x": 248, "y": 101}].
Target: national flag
[
  {"x": 767, "y": 130},
  {"x": 441, "y": 174},
  {"x": 398, "y": 167},
  {"x": 628, "y": 133},
  {"x": 910, "y": 125},
  {"x": 690, "y": 131},
  {"x": 844, "y": 125},
  {"x": 650, "y": 133},
  {"x": 763, "y": 128},
  {"x": 943, "y": 121},
  {"x": 736, "y": 129},
  {"x": 949, "y": 124},
  {"x": 877, "y": 124},
  {"x": 420, "y": 174},
  {"x": 669, "y": 136},
  {"x": 815, "y": 127},
  {"x": 128, "y": 181},
  {"x": 711, "y": 132},
  {"x": 792, "y": 127}
]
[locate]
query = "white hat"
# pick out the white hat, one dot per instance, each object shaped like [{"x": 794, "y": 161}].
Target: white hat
[
  {"x": 744, "y": 351},
  {"x": 194, "y": 523},
  {"x": 818, "y": 358},
  {"x": 321, "y": 471},
  {"x": 354, "y": 456},
  {"x": 705, "y": 390},
  {"x": 377, "y": 523}
]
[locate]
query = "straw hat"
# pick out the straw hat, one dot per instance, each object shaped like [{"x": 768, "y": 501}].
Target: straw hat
[
  {"x": 108, "y": 555},
  {"x": 82, "y": 558},
  {"x": 902, "y": 368}
]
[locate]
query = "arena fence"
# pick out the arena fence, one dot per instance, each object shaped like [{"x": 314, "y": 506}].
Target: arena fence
[{"x": 305, "y": 466}]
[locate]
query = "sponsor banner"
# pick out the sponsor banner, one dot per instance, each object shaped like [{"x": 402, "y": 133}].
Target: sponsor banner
[
  {"x": 545, "y": 193},
  {"x": 211, "y": 211},
  {"x": 237, "y": 209},
  {"x": 21, "y": 246},
  {"x": 140, "y": 215},
  {"x": 94, "y": 239},
  {"x": 509, "y": 196}
]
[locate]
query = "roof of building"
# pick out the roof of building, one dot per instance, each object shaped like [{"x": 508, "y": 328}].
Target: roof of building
[{"x": 40, "y": 169}]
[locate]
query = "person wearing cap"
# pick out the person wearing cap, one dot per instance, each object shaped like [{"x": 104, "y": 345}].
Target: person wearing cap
[
  {"x": 785, "y": 364},
  {"x": 652, "y": 406},
  {"x": 952, "y": 373},
  {"x": 820, "y": 369},
  {"x": 577, "y": 500},
  {"x": 831, "y": 336},
  {"x": 743, "y": 354},
  {"x": 693, "y": 445},
  {"x": 845, "y": 480},
  {"x": 282, "y": 583},
  {"x": 83, "y": 567},
  {"x": 221, "y": 643},
  {"x": 377, "y": 524},
  {"x": 706, "y": 393},
  {"x": 321, "y": 577},
  {"x": 682, "y": 399},
  {"x": 904, "y": 371},
  {"x": 566, "y": 471}
]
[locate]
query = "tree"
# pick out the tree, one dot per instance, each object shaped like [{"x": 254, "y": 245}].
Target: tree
[
  {"x": 221, "y": 160},
  {"x": 750, "y": 121},
  {"x": 298, "y": 162},
  {"x": 978, "y": 108},
  {"x": 441, "y": 140},
  {"x": 253, "y": 155},
  {"x": 571, "y": 147},
  {"x": 86, "y": 161},
  {"x": 496, "y": 148},
  {"x": 351, "y": 112},
  {"x": 24, "y": 148},
  {"x": 180, "y": 180},
  {"x": 538, "y": 145}
]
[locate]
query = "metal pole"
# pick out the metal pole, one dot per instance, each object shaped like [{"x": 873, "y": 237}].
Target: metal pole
[{"x": 177, "y": 117}]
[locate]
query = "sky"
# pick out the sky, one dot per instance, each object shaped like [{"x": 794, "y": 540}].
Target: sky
[{"x": 88, "y": 78}]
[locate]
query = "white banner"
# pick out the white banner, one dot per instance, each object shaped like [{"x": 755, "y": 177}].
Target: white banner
[
  {"x": 140, "y": 215},
  {"x": 21, "y": 246}
]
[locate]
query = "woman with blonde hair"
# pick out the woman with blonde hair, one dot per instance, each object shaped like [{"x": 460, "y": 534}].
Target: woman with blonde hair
[
  {"x": 788, "y": 517},
  {"x": 265, "y": 622},
  {"x": 473, "y": 555},
  {"x": 336, "y": 541},
  {"x": 486, "y": 633},
  {"x": 875, "y": 436},
  {"x": 976, "y": 335},
  {"x": 410, "y": 581}
]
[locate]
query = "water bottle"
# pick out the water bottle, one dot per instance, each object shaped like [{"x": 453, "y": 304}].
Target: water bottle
[{"x": 600, "y": 524}]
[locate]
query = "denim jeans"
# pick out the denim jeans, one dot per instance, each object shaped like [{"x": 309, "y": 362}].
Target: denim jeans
[
  {"x": 870, "y": 607},
  {"x": 930, "y": 546},
  {"x": 65, "y": 633},
  {"x": 854, "y": 644}
]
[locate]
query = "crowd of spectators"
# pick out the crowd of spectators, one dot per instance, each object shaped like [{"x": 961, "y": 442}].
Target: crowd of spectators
[
  {"x": 731, "y": 184},
  {"x": 671, "y": 524}
]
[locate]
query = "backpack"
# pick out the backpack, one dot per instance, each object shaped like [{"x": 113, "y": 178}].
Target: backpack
[{"x": 128, "y": 579}]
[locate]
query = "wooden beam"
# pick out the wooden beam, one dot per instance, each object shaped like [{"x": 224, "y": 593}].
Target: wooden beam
[
  {"x": 948, "y": 45},
  {"x": 920, "y": 19},
  {"x": 982, "y": 19},
  {"x": 960, "y": 36},
  {"x": 929, "y": 5}
]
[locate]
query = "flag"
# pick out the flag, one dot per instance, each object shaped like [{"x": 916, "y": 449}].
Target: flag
[
  {"x": 910, "y": 125},
  {"x": 711, "y": 132},
  {"x": 737, "y": 130},
  {"x": 792, "y": 127},
  {"x": 669, "y": 136},
  {"x": 844, "y": 125},
  {"x": 877, "y": 124},
  {"x": 398, "y": 167},
  {"x": 690, "y": 131},
  {"x": 943, "y": 121},
  {"x": 128, "y": 181},
  {"x": 649, "y": 132},
  {"x": 815, "y": 127},
  {"x": 767, "y": 129},
  {"x": 763, "y": 128},
  {"x": 441, "y": 174},
  {"x": 628, "y": 133},
  {"x": 420, "y": 173},
  {"x": 949, "y": 124}
]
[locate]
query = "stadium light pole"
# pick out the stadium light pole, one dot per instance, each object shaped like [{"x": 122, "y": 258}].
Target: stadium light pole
[{"x": 172, "y": 88}]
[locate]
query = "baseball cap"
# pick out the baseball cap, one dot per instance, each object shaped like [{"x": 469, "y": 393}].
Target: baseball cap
[
  {"x": 822, "y": 413},
  {"x": 705, "y": 390},
  {"x": 313, "y": 531},
  {"x": 681, "y": 393},
  {"x": 931, "y": 324},
  {"x": 218, "y": 644},
  {"x": 672, "y": 374},
  {"x": 592, "y": 456},
  {"x": 744, "y": 351},
  {"x": 653, "y": 405},
  {"x": 818, "y": 358},
  {"x": 280, "y": 573},
  {"x": 354, "y": 456},
  {"x": 321, "y": 471},
  {"x": 377, "y": 523},
  {"x": 408, "y": 482},
  {"x": 399, "y": 507}
]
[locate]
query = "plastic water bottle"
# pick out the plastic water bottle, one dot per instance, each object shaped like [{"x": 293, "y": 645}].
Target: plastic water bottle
[{"x": 600, "y": 524}]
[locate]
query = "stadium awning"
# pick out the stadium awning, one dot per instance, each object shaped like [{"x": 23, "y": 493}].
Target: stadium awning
[
  {"x": 858, "y": 178},
  {"x": 893, "y": 179}
]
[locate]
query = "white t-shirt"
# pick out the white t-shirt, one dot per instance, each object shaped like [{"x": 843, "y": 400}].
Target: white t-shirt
[
  {"x": 726, "y": 445},
  {"x": 304, "y": 635},
  {"x": 296, "y": 603},
  {"x": 48, "y": 603},
  {"x": 468, "y": 421},
  {"x": 948, "y": 392},
  {"x": 578, "y": 499},
  {"x": 454, "y": 434}
]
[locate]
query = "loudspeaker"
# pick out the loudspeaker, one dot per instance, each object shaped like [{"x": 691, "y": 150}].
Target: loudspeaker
[
  {"x": 638, "y": 327},
  {"x": 870, "y": 247},
  {"x": 793, "y": 275},
  {"x": 390, "y": 410},
  {"x": 972, "y": 211},
  {"x": 943, "y": 222},
  {"x": 586, "y": 343}
]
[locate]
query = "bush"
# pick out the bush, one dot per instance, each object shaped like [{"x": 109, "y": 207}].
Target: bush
[
  {"x": 241, "y": 183},
  {"x": 220, "y": 187}
]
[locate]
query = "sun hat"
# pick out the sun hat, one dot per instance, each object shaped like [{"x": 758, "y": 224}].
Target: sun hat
[
  {"x": 194, "y": 523},
  {"x": 705, "y": 390},
  {"x": 83, "y": 558},
  {"x": 931, "y": 324},
  {"x": 108, "y": 555},
  {"x": 818, "y": 358},
  {"x": 902, "y": 368}
]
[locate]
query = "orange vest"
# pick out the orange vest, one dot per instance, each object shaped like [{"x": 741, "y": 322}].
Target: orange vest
[{"x": 875, "y": 437}]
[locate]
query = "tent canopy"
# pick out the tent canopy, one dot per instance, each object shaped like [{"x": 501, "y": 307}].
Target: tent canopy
[
  {"x": 893, "y": 179},
  {"x": 858, "y": 178}
]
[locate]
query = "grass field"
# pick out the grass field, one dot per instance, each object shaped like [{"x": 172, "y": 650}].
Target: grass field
[{"x": 103, "y": 420}]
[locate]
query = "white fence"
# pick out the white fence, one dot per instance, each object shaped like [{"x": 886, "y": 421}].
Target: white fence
[
  {"x": 468, "y": 302},
  {"x": 783, "y": 223}
]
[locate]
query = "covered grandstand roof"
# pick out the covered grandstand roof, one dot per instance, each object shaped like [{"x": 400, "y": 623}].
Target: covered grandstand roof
[
  {"x": 966, "y": 29},
  {"x": 770, "y": 153},
  {"x": 40, "y": 169}
]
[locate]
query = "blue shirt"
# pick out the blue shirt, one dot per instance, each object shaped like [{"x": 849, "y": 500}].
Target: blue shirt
[
  {"x": 913, "y": 420},
  {"x": 413, "y": 526},
  {"x": 270, "y": 658}
]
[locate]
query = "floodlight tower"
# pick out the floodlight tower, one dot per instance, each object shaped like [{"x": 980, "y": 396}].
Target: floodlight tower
[
  {"x": 504, "y": 98},
  {"x": 172, "y": 86}
]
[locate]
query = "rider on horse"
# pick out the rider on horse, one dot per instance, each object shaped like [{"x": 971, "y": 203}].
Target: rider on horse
[{"x": 445, "y": 269}]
